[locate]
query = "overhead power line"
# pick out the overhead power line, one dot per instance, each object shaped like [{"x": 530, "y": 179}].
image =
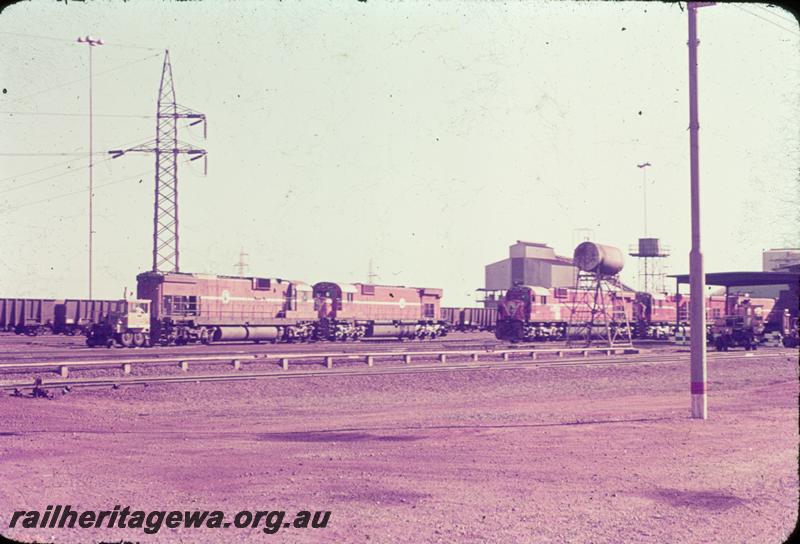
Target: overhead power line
[
  {"x": 79, "y": 191},
  {"x": 29, "y": 172},
  {"x": 30, "y": 183},
  {"x": 121, "y": 66},
  {"x": 83, "y": 154},
  {"x": 78, "y": 114},
  {"x": 38, "y": 170},
  {"x": 776, "y": 13},
  {"x": 65, "y": 40},
  {"x": 789, "y": 30}
]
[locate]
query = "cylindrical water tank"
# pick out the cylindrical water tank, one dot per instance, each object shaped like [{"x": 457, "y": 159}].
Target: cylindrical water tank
[{"x": 599, "y": 259}]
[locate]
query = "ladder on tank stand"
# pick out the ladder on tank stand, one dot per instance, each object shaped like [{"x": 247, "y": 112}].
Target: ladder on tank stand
[{"x": 597, "y": 312}]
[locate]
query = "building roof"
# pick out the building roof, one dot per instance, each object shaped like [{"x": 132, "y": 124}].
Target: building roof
[
  {"x": 789, "y": 268},
  {"x": 736, "y": 279},
  {"x": 534, "y": 244},
  {"x": 537, "y": 290}
]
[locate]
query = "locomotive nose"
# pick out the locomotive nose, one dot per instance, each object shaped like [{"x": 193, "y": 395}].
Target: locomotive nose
[{"x": 325, "y": 305}]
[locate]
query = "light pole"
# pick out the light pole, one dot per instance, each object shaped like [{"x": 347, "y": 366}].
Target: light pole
[
  {"x": 697, "y": 280},
  {"x": 644, "y": 166},
  {"x": 91, "y": 42}
]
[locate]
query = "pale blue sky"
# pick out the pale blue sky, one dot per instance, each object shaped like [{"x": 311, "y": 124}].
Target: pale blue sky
[{"x": 426, "y": 136}]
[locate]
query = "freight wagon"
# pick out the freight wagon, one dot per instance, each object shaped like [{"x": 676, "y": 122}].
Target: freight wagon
[
  {"x": 470, "y": 319},
  {"x": 39, "y": 316},
  {"x": 75, "y": 316},
  {"x": 27, "y": 315}
]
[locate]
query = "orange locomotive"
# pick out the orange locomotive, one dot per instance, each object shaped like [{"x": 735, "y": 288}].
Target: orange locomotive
[
  {"x": 185, "y": 308},
  {"x": 537, "y": 313}
]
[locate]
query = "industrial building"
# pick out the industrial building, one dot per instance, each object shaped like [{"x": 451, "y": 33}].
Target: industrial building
[
  {"x": 774, "y": 260},
  {"x": 777, "y": 260},
  {"x": 528, "y": 263}
]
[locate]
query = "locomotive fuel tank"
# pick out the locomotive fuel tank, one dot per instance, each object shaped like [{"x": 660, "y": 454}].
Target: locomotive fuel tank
[
  {"x": 245, "y": 333},
  {"x": 598, "y": 258},
  {"x": 393, "y": 331}
]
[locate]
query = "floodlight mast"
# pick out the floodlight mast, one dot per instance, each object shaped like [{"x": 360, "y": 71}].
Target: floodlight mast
[{"x": 91, "y": 42}]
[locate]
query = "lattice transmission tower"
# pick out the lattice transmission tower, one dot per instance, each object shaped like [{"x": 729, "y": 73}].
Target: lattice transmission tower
[
  {"x": 242, "y": 265},
  {"x": 167, "y": 147}
]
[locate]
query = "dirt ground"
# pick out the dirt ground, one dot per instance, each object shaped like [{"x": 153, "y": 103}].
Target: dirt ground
[{"x": 566, "y": 454}]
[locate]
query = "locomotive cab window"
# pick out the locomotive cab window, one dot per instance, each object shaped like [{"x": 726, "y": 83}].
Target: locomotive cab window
[
  {"x": 261, "y": 284},
  {"x": 180, "y": 305},
  {"x": 367, "y": 289},
  {"x": 349, "y": 297},
  {"x": 429, "y": 310},
  {"x": 138, "y": 307}
]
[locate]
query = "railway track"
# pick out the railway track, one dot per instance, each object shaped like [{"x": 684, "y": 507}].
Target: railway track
[
  {"x": 254, "y": 349},
  {"x": 74, "y": 347},
  {"x": 514, "y": 364}
]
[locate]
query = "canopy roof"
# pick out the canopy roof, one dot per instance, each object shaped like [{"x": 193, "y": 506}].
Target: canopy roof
[{"x": 738, "y": 279}]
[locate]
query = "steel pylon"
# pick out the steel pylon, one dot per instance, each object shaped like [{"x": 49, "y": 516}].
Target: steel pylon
[{"x": 167, "y": 147}]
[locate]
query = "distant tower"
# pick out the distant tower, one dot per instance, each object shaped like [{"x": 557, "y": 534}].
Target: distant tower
[
  {"x": 371, "y": 275},
  {"x": 652, "y": 271},
  {"x": 167, "y": 147},
  {"x": 241, "y": 266},
  {"x": 650, "y": 252}
]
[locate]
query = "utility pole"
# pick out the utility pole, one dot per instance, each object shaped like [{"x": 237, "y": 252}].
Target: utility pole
[
  {"x": 645, "y": 263},
  {"x": 241, "y": 266},
  {"x": 91, "y": 42},
  {"x": 697, "y": 280},
  {"x": 167, "y": 147}
]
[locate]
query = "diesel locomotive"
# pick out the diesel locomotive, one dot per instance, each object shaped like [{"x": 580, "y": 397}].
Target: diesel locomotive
[
  {"x": 182, "y": 308},
  {"x": 537, "y": 313}
]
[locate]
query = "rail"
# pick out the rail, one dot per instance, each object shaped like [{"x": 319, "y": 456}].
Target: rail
[{"x": 327, "y": 359}]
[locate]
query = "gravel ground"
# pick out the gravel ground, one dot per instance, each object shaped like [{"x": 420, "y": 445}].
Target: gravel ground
[{"x": 559, "y": 454}]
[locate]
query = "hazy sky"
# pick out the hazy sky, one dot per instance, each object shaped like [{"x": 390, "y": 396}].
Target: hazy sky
[{"x": 427, "y": 136}]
